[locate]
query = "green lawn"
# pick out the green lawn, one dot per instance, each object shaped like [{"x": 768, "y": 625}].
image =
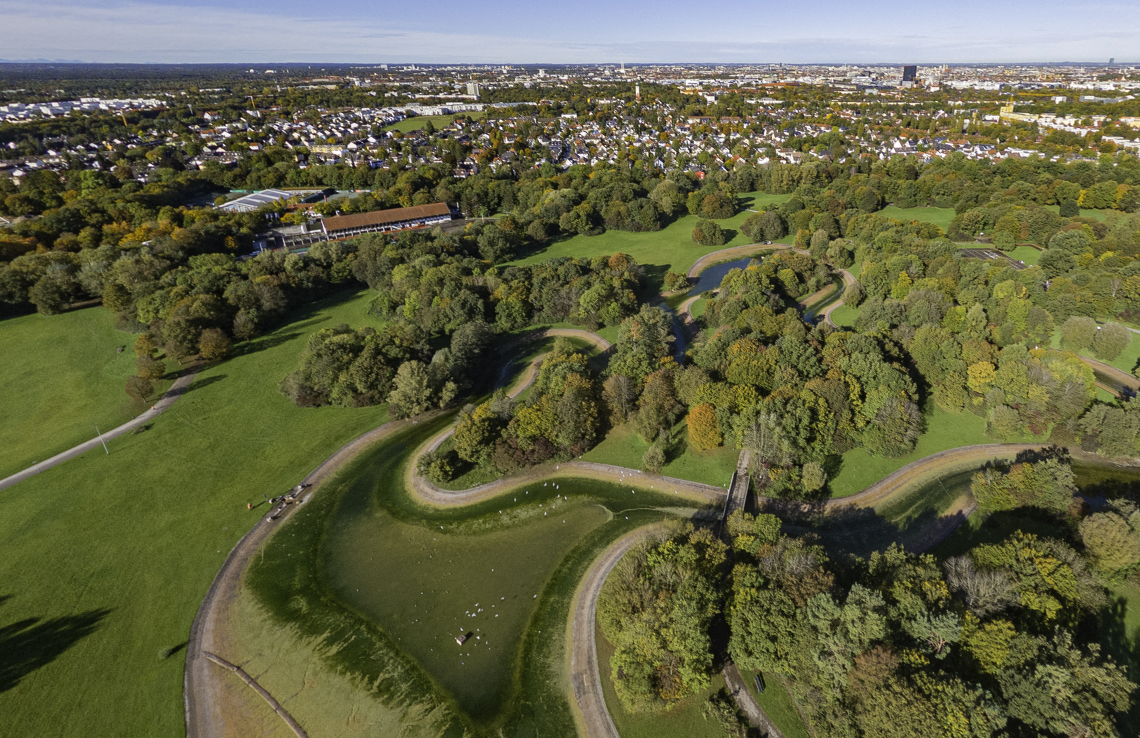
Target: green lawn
[
  {"x": 844, "y": 316},
  {"x": 1028, "y": 254},
  {"x": 698, "y": 307},
  {"x": 1127, "y": 360},
  {"x": 439, "y": 121},
  {"x": 943, "y": 431},
  {"x": 62, "y": 377},
  {"x": 685, "y": 720},
  {"x": 107, "y": 557},
  {"x": 623, "y": 447},
  {"x": 940, "y": 217},
  {"x": 670, "y": 249},
  {"x": 777, "y": 703}
]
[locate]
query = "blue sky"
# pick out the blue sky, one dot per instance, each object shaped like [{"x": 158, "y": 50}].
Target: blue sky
[{"x": 447, "y": 31}]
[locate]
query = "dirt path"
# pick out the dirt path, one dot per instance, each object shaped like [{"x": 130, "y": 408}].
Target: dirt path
[
  {"x": 585, "y": 677},
  {"x": 168, "y": 398}
]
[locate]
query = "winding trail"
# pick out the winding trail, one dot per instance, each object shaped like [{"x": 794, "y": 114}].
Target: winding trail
[{"x": 179, "y": 388}]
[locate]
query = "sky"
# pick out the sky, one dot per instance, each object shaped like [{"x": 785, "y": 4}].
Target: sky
[{"x": 584, "y": 31}]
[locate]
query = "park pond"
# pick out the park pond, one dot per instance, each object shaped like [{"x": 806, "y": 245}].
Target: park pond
[{"x": 710, "y": 278}]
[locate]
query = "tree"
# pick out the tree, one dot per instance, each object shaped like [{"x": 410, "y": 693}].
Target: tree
[
  {"x": 813, "y": 477},
  {"x": 620, "y": 397},
  {"x": 1110, "y": 341},
  {"x": 139, "y": 389},
  {"x": 1111, "y": 540},
  {"x": 151, "y": 369},
  {"x": 704, "y": 432},
  {"x": 419, "y": 387},
  {"x": 214, "y": 344},
  {"x": 476, "y": 433},
  {"x": 708, "y": 233},
  {"x": 1070, "y": 209},
  {"x": 653, "y": 459},
  {"x": 658, "y": 407},
  {"x": 1078, "y": 332}
]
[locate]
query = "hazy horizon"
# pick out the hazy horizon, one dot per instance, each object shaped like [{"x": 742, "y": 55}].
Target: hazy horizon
[{"x": 511, "y": 32}]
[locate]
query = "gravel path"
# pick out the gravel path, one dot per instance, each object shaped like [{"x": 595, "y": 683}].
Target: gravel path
[
  {"x": 585, "y": 677},
  {"x": 168, "y": 398}
]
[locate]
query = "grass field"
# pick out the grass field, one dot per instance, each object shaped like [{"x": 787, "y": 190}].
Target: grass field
[
  {"x": 944, "y": 430},
  {"x": 670, "y": 249},
  {"x": 107, "y": 557},
  {"x": 623, "y": 447},
  {"x": 940, "y": 217},
  {"x": 1028, "y": 254},
  {"x": 698, "y": 307},
  {"x": 62, "y": 377},
  {"x": 439, "y": 121},
  {"x": 373, "y": 636},
  {"x": 685, "y": 720},
  {"x": 1126, "y": 362},
  {"x": 844, "y": 316}
]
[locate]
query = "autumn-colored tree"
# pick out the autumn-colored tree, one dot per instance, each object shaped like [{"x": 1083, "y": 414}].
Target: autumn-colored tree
[
  {"x": 214, "y": 344},
  {"x": 704, "y": 432},
  {"x": 150, "y": 369}
]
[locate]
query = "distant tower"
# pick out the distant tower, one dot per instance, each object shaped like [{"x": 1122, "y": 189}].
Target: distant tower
[
  {"x": 623, "y": 67},
  {"x": 1111, "y": 61},
  {"x": 910, "y": 72},
  {"x": 637, "y": 92}
]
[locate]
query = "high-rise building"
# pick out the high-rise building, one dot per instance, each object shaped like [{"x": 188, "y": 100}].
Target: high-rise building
[
  {"x": 910, "y": 73},
  {"x": 473, "y": 89}
]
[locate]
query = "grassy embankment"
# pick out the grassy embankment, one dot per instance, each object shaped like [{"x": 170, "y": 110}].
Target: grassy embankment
[
  {"x": 107, "y": 557},
  {"x": 63, "y": 377},
  {"x": 670, "y": 249},
  {"x": 376, "y": 587}
]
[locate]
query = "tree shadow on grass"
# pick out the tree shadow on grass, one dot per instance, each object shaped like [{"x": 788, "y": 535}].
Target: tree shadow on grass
[{"x": 32, "y": 643}]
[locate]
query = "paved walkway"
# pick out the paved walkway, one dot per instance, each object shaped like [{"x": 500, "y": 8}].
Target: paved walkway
[{"x": 168, "y": 398}]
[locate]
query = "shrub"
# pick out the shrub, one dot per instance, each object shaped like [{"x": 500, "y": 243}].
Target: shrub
[
  {"x": 676, "y": 282},
  {"x": 139, "y": 389},
  {"x": 708, "y": 233},
  {"x": 653, "y": 459},
  {"x": 1070, "y": 209},
  {"x": 214, "y": 344}
]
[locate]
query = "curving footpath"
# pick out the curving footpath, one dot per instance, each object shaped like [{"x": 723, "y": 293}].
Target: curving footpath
[
  {"x": 585, "y": 674},
  {"x": 179, "y": 388}
]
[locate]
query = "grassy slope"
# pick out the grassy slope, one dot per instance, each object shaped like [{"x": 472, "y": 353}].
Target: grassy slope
[
  {"x": 670, "y": 249},
  {"x": 62, "y": 376},
  {"x": 1127, "y": 360},
  {"x": 133, "y": 539},
  {"x": 439, "y": 121},
  {"x": 944, "y": 431},
  {"x": 623, "y": 447},
  {"x": 940, "y": 217},
  {"x": 778, "y": 704}
]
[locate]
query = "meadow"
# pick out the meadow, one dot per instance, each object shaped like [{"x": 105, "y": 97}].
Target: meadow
[
  {"x": 670, "y": 249},
  {"x": 64, "y": 377},
  {"x": 622, "y": 446},
  {"x": 1126, "y": 362},
  {"x": 107, "y": 557},
  {"x": 940, "y": 217}
]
